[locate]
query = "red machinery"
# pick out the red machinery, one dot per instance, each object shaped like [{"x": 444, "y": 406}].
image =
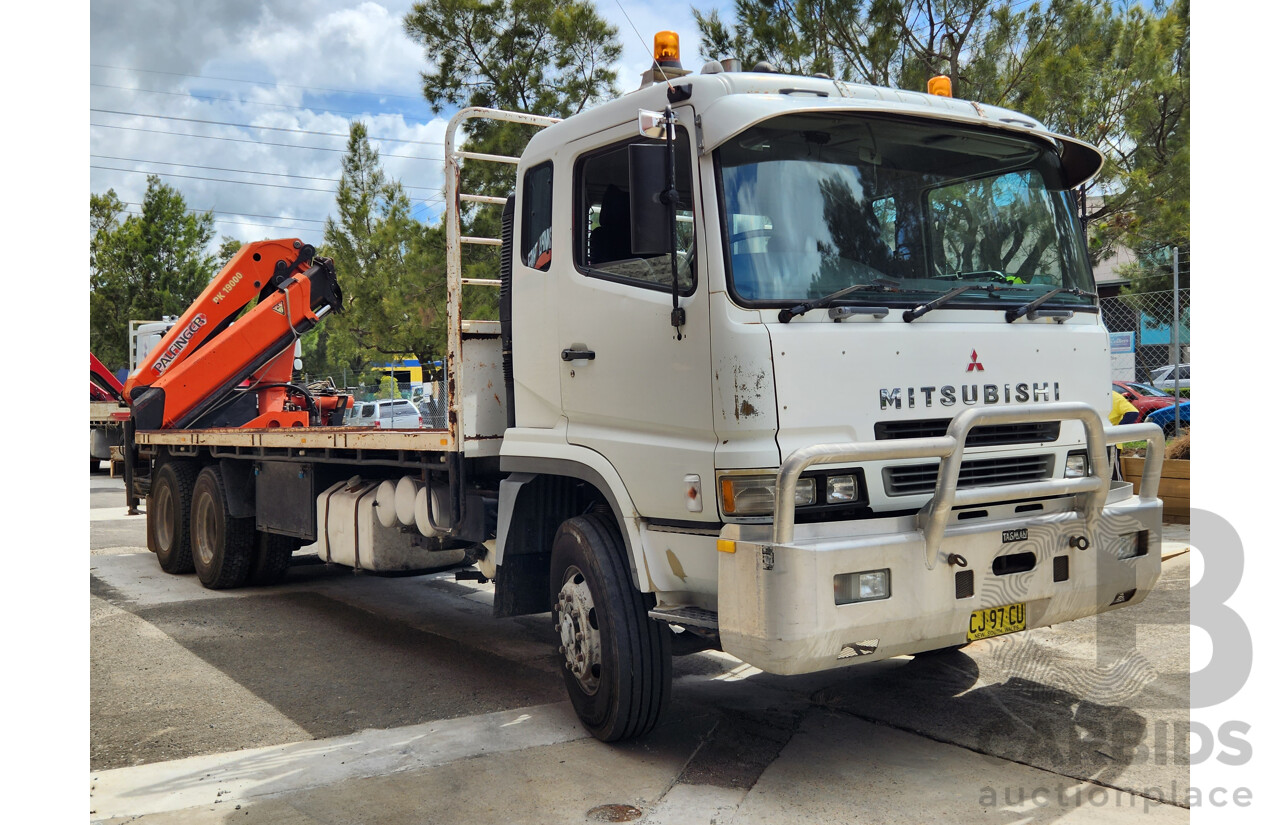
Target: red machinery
[
  {"x": 214, "y": 369},
  {"x": 103, "y": 386}
]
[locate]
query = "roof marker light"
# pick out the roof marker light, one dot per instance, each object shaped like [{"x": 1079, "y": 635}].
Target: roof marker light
[{"x": 940, "y": 85}]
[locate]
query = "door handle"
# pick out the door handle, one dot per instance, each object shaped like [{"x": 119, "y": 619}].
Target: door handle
[{"x": 576, "y": 354}]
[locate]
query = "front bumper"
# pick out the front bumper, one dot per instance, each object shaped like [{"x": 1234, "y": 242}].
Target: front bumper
[{"x": 777, "y": 605}]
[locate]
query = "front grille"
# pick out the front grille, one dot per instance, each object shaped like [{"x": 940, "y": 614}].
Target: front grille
[
  {"x": 1061, "y": 568},
  {"x": 964, "y": 584},
  {"x": 914, "y": 479},
  {"x": 989, "y": 436}
]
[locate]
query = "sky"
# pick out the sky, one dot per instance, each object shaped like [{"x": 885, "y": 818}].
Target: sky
[{"x": 261, "y": 79}]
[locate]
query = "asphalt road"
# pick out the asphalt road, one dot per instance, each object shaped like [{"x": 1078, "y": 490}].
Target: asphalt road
[{"x": 337, "y": 697}]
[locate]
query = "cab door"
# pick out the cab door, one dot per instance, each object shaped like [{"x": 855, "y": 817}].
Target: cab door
[{"x": 633, "y": 388}]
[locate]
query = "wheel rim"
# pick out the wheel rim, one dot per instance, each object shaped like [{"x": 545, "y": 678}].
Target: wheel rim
[
  {"x": 166, "y": 517},
  {"x": 203, "y": 530},
  {"x": 575, "y": 616}
]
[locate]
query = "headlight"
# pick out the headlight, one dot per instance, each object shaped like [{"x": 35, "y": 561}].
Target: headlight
[
  {"x": 842, "y": 488},
  {"x": 867, "y": 586},
  {"x": 754, "y": 495},
  {"x": 1077, "y": 464}
]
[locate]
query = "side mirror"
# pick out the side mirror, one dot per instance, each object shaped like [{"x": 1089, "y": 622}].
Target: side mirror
[
  {"x": 1130, "y": 396},
  {"x": 650, "y": 219}
]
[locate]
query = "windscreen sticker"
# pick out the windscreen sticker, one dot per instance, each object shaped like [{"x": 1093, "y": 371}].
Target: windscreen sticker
[{"x": 184, "y": 338}]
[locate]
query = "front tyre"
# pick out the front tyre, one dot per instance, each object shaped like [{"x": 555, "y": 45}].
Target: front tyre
[
  {"x": 221, "y": 546},
  {"x": 941, "y": 651},
  {"x": 616, "y": 660}
]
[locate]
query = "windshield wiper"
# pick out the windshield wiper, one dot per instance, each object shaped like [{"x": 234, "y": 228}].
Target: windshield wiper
[
  {"x": 912, "y": 314},
  {"x": 879, "y": 285},
  {"x": 1014, "y": 314}
]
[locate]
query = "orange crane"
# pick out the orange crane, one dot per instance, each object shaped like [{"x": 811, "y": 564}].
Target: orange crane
[{"x": 218, "y": 367}]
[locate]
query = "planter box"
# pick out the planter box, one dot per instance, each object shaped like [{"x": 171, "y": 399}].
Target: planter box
[{"x": 1175, "y": 485}]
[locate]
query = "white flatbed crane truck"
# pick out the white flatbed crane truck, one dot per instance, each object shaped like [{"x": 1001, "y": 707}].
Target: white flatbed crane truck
[{"x": 803, "y": 479}]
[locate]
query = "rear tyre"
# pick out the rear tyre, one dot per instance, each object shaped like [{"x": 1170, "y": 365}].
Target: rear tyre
[
  {"x": 169, "y": 516},
  {"x": 271, "y": 556},
  {"x": 616, "y": 660},
  {"x": 221, "y": 546}
]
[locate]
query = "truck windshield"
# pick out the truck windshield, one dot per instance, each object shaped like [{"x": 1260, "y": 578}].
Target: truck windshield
[{"x": 815, "y": 203}]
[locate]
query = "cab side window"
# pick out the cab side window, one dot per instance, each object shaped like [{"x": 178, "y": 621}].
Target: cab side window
[
  {"x": 602, "y": 224},
  {"x": 535, "y": 218}
]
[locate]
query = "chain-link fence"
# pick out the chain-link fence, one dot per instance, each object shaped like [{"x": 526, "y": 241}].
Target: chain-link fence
[
  {"x": 1151, "y": 348},
  {"x": 1145, "y": 335}
]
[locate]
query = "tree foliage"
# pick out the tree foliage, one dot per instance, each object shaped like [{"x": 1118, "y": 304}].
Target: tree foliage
[
  {"x": 390, "y": 268},
  {"x": 545, "y": 57},
  {"x": 1113, "y": 74},
  {"x": 540, "y": 56},
  {"x": 143, "y": 266}
]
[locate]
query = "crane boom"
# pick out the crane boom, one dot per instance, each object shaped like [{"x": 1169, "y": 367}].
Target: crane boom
[{"x": 219, "y": 368}]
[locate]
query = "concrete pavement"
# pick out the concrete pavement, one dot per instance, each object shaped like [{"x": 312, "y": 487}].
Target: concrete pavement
[{"x": 340, "y": 699}]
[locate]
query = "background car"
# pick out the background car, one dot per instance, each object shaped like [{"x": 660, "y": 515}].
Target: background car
[
  {"x": 1164, "y": 417},
  {"x": 1143, "y": 396},
  {"x": 352, "y": 418},
  {"x": 397, "y": 414},
  {"x": 1162, "y": 377}
]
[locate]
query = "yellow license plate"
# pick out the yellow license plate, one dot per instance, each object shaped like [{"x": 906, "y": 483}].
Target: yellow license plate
[{"x": 997, "y": 621}]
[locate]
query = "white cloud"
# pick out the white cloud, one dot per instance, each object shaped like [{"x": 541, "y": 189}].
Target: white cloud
[
  {"x": 299, "y": 52},
  {"x": 318, "y": 65}
]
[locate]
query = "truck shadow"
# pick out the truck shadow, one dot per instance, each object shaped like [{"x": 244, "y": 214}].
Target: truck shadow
[{"x": 1071, "y": 720}]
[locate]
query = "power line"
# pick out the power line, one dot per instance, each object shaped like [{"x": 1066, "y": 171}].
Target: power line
[
  {"x": 255, "y": 82},
  {"x": 215, "y": 180},
  {"x": 245, "y": 102},
  {"x": 252, "y": 126},
  {"x": 234, "y": 223},
  {"x": 255, "y": 142},
  {"x": 195, "y": 211},
  {"x": 213, "y": 168},
  {"x": 242, "y": 171}
]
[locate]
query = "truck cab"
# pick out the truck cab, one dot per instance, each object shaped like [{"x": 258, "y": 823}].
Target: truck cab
[{"x": 879, "y": 427}]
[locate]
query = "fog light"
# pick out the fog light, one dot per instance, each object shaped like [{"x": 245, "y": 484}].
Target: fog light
[
  {"x": 842, "y": 488},
  {"x": 867, "y": 586},
  {"x": 1077, "y": 464},
  {"x": 1123, "y": 597}
]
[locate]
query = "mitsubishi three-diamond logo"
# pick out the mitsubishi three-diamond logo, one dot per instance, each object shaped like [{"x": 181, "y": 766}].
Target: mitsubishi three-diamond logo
[{"x": 974, "y": 363}]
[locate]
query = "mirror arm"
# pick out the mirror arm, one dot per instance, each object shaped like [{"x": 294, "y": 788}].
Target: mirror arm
[{"x": 671, "y": 198}]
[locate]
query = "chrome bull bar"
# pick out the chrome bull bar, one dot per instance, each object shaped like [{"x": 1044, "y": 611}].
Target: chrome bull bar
[{"x": 932, "y": 518}]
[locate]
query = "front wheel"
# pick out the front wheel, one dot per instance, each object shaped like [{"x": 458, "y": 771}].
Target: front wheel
[
  {"x": 942, "y": 651},
  {"x": 616, "y": 660}
]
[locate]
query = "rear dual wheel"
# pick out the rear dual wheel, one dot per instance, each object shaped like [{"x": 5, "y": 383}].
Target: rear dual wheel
[
  {"x": 169, "y": 516},
  {"x": 271, "y": 555},
  {"x": 222, "y": 547}
]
